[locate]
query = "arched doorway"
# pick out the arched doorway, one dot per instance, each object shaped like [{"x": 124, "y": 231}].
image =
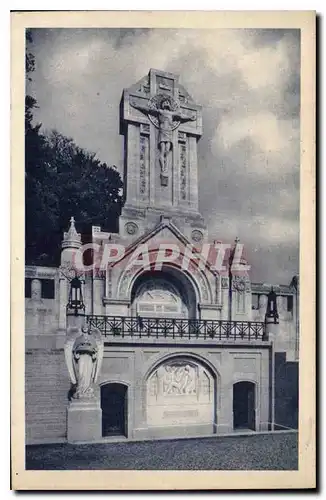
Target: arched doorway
[
  {"x": 244, "y": 406},
  {"x": 114, "y": 409},
  {"x": 167, "y": 294}
]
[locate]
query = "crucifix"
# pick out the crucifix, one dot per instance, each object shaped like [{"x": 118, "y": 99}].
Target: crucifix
[{"x": 164, "y": 112}]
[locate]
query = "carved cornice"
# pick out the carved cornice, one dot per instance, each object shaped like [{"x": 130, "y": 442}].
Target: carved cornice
[{"x": 109, "y": 301}]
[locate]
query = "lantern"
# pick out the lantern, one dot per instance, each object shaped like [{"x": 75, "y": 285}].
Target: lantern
[
  {"x": 272, "y": 306},
  {"x": 75, "y": 301}
]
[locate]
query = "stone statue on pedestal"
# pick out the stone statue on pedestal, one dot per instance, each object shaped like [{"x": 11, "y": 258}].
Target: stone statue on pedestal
[
  {"x": 164, "y": 113},
  {"x": 84, "y": 354}
]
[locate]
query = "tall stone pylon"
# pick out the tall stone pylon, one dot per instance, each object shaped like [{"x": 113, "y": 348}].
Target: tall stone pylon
[
  {"x": 70, "y": 258},
  {"x": 161, "y": 125}
]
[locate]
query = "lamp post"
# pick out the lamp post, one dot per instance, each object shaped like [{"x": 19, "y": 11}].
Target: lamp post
[
  {"x": 271, "y": 312},
  {"x": 76, "y": 306},
  {"x": 231, "y": 258}
]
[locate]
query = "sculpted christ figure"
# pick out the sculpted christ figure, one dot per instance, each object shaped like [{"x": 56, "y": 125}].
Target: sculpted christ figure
[{"x": 165, "y": 123}]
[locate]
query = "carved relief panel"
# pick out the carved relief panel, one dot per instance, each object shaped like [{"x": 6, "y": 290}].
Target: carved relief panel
[
  {"x": 144, "y": 161},
  {"x": 183, "y": 166},
  {"x": 180, "y": 391},
  {"x": 159, "y": 298}
]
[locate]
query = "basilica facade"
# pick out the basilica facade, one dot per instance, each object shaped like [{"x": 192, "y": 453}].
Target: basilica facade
[{"x": 164, "y": 334}]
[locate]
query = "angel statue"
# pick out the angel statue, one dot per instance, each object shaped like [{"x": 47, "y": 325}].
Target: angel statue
[
  {"x": 163, "y": 111},
  {"x": 84, "y": 354}
]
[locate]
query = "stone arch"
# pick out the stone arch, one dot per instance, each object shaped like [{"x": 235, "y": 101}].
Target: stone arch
[
  {"x": 247, "y": 378},
  {"x": 152, "y": 363},
  {"x": 180, "y": 390},
  {"x": 198, "y": 280},
  {"x": 115, "y": 381},
  {"x": 171, "y": 295}
]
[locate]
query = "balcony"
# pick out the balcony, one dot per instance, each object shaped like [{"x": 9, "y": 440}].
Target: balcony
[{"x": 143, "y": 328}]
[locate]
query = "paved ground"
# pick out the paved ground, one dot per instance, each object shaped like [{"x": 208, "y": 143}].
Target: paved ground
[{"x": 255, "y": 452}]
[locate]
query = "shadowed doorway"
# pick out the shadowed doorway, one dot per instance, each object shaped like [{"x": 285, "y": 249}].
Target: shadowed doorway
[
  {"x": 244, "y": 413},
  {"x": 114, "y": 409}
]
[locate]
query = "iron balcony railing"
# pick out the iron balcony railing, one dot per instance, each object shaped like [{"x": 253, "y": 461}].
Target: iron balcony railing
[{"x": 173, "y": 328}]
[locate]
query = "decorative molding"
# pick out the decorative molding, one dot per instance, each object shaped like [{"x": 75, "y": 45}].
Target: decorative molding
[
  {"x": 131, "y": 211},
  {"x": 203, "y": 286},
  {"x": 197, "y": 236},
  {"x": 241, "y": 284},
  {"x": 183, "y": 170},
  {"x": 217, "y": 289},
  {"x": 109, "y": 282},
  {"x": 123, "y": 286},
  {"x": 144, "y": 128},
  {"x": 144, "y": 86},
  {"x": 224, "y": 282},
  {"x": 165, "y": 84},
  {"x": 98, "y": 274},
  {"x": 30, "y": 272},
  {"x": 238, "y": 284},
  {"x": 131, "y": 228},
  {"x": 110, "y": 301},
  {"x": 213, "y": 307},
  {"x": 182, "y": 98},
  {"x": 40, "y": 272},
  {"x": 182, "y": 136},
  {"x": 143, "y": 164}
]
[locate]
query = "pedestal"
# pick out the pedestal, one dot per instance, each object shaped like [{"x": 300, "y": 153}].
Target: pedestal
[{"x": 84, "y": 421}]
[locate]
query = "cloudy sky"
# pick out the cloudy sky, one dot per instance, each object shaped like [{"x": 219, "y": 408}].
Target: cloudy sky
[{"x": 248, "y": 84}]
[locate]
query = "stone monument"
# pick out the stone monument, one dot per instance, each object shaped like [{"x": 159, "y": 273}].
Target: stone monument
[
  {"x": 162, "y": 125},
  {"x": 83, "y": 354}
]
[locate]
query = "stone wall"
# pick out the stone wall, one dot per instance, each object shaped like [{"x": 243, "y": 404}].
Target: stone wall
[
  {"x": 46, "y": 389},
  {"x": 218, "y": 368},
  {"x": 286, "y": 392},
  {"x": 225, "y": 366}
]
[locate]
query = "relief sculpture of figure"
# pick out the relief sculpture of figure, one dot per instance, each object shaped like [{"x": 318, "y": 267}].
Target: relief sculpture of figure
[
  {"x": 165, "y": 114},
  {"x": 171, "y": 381},
  {"x": 83, "y": 354},
  {"x": 179, "y": 380},
  {"x": 167, "y": 380},
  {"x": 189, "y": 381}
]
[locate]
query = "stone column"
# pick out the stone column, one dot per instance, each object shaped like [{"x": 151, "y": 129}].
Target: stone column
[
  {"x": 63, "y": 300},
  {"x": 34, "y": 304},
  {"x": 98, "y": 294},
  {"x": 133, "y": 152},
  {"x": 272, "y": 330},
  {"x": 193, "y": 174},
  {"x": 36, "y": 289},
  {"x": 225, "y": 411}
]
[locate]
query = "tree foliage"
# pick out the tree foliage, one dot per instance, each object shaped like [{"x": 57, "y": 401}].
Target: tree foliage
[{"x": 62, "y": 180}]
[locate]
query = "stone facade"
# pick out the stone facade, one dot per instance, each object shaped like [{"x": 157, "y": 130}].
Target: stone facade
[{"x": 186, "y": 350}]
